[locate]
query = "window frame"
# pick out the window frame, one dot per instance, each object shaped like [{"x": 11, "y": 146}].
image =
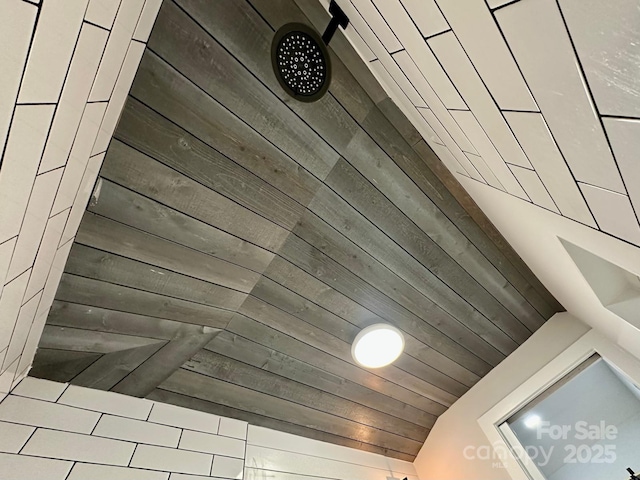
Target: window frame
[{"x": 592, "y": 342}]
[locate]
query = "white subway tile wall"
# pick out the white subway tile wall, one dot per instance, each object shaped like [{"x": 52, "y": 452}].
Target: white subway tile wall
[
  {"x": 184, "y": 418},
  {"x": 58, "y": 57},
  {"x": 545, "y": 91},
  {"x": 233, "y": 428},
  {"x": 106, "y": 402},
  {"x": 43, "y": 438}
]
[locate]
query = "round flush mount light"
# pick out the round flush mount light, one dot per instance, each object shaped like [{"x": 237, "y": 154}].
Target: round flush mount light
[{"x": 377, "y": 346}]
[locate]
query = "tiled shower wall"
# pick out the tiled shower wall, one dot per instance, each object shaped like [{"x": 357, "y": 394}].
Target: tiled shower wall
[
  {"x": 66, "y": 67},
  {"x": 64, "y": 432}
]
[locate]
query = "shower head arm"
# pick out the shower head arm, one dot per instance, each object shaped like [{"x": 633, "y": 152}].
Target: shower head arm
[{"x": 338, "y": 19}]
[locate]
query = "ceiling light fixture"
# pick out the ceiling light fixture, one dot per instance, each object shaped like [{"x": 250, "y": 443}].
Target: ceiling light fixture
[{"x": 377, "y": 346}]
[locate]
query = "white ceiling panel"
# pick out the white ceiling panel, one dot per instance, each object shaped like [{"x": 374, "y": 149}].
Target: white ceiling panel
[
  {"x": 461, "y": 71},
  {"x": 375, "y": 21},
  {"x": 360, "y": 45},
  {"x": 433, "y": 136},
  {"x": 426, "y": 130},
  {"x": 402, "y": 81},
  {"x": 427, "y": 16},
  {"x": 613, "y": 212},
  {"x": 421, "y": 55},
  {"x": 537, "y": 36},
  {"x": 532, "y": 184},
  {"x": 484, "y": 170},
  {"x": 358, "y": 25},
  {"x": 536, "y": 140},
  {"x": 387, "y": 82},
  {"x": 453, "y": 147},
  {"x": 362, "y": 28},
  {"x": 625, "y": 140},
  {"x": 403, "y": 102},
  {"x": 406, "y": 64},
  {"x": 479, "y": 35},
  {"x": 497, "y": 3},
  {"x": 607, "y": 38},
  {"x": 476, "y": 134}
]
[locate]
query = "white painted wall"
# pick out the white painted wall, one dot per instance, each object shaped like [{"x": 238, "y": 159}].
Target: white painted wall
[
  {"x": 66, "y": 69},
  {"x": 534, "y": 233},
  {"x": 443, "y": 455},
  {"x": 54, "y": 431}
]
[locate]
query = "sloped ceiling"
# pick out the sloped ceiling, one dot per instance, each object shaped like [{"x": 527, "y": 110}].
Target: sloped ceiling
[
  {"x": 536, "y": 98},
  {"x": 238, "y": 240}
]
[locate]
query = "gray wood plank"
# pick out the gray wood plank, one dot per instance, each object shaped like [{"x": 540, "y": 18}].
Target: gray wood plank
[
  {"x": 165, "y": 396},
  {"x": 86, "y": 291},
  {"x": 373, "y": 163},
  {"x": 154, "y": 135},
  {"x": 252, "y": 353},
  {"x": 283, "y": 342},
  {"x": 169, "y": 93},
  {"x": 230, "y": 370},
  {"x": 137, "y": 211},
  {"x": 278, "y": 12},
  {"x": 96, "y": 264},
  {"x": 298, "y": 306},
  {"x": 188, "y": 340},
  {"x": 301, "y": 282},
  {"x": 60, "y": 365},
  {"x": 398, "y": 243},
  {"x": 79, "y": 340},
  {"x": 312, "y": 260},
  {"x": 522, "y": 298},
  {"x": 217, "y": 391},
  {"x": 74, "y": 315},
  {"x": 325, "y": 116},
  {"x": 112, "y": 367},
  {"x": 313, "y": 336},
  {"x": 472, "y": 221},
  {"x": 256, "y": 60},
  {"x": 398, "y": 120},
  {"x": 136, "y": 171},
  {"x": 522, "y": 278},
  {"x": 198, "y": 56},
  {"x": 105, "y": 234}
]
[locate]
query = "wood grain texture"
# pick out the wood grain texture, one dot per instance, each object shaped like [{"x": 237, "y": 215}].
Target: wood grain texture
[
  {"x": 189, "y": 48},
  {"x": 61, "y": 365},
  {"x": 110, "y": 296},
  {"x": 111, "y": 368},
  {"x": 168, "y": 92},
  {"x": 207, "y": 388},
  {"x": 105, "y": 234},
  {"x": 229, "y": 370},
  {"x": 139, "y": 172},
  {"x": 147, "y": 376},
  {"x": 137, "y": 211},
  {"x": 97, "y": 264},
  {"x": 239, "y": 240},
  {"x": 265, "y": 358}
]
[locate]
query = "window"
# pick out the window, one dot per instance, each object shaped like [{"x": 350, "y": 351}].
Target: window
[{"x": 584, "y": 426}]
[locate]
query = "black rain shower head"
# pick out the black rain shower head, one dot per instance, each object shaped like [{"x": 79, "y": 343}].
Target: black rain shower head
[{"x": 300, "y": 57}]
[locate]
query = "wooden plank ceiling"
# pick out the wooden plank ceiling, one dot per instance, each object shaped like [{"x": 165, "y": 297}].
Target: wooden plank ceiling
[{"x": 238, "y": 240}]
